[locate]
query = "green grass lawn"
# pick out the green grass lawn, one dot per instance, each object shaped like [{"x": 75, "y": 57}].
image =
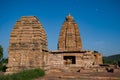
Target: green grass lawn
[{"x": 24, "y": 75}]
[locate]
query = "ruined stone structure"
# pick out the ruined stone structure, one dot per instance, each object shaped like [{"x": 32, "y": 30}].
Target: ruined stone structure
[{"x": 28, "y": 47}]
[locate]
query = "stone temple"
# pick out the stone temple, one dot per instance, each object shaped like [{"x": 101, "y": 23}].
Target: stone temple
[
  {"x": 69, "y": 38},
  {"x": 29, "y": 47}
]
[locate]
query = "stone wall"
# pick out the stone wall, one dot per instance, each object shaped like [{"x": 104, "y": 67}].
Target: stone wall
[{"x": 84, "y": 59}]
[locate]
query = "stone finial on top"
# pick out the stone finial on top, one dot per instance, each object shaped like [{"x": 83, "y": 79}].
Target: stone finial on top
[
  {"x": 69, "y": 17},
  {"x": 69, "y": 14}
]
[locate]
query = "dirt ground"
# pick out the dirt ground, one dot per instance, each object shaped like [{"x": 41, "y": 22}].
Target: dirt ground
[{"x": 80, "y": 76}]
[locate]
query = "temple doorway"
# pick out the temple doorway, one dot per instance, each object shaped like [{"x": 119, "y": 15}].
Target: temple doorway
[{"x": 69, "y": 59}]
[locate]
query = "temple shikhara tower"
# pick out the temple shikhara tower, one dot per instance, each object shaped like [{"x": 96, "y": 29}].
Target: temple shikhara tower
[
  {"x": 69, "y": 38},
  {"x": 29, "y": 47}
]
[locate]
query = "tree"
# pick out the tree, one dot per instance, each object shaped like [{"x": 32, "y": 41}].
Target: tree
[{"x": 1, "y": 52}]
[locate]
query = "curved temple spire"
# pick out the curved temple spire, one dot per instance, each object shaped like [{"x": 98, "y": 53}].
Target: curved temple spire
[{"x": 69, "y": 38}]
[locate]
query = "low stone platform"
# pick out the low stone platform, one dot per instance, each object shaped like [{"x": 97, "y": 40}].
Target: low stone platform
[{"x": 81, "y": 76}]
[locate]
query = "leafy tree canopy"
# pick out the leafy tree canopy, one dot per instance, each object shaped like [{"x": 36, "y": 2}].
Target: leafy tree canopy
[{"x": 113, "y": 59}]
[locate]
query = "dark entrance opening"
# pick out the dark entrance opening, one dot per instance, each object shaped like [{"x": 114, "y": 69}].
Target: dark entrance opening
[{"x": 70, "y": 59}]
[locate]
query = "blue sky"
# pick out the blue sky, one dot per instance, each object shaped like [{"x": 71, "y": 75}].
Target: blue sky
[{"x": 98, "y": 21}]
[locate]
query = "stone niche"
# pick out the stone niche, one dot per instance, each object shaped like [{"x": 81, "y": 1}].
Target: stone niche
[{"x": 28, "y": 45}]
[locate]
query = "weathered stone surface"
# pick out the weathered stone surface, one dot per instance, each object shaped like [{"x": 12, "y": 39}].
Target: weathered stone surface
[
  {"x": 69, "y": 38},
  {"x": 28, "y": 44},
  {"x": 79, "y": 59}
]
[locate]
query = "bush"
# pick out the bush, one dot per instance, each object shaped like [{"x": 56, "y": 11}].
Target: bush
[
  {"x": 24, "y": 75},
  {"x": 3, "y": 68}
]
